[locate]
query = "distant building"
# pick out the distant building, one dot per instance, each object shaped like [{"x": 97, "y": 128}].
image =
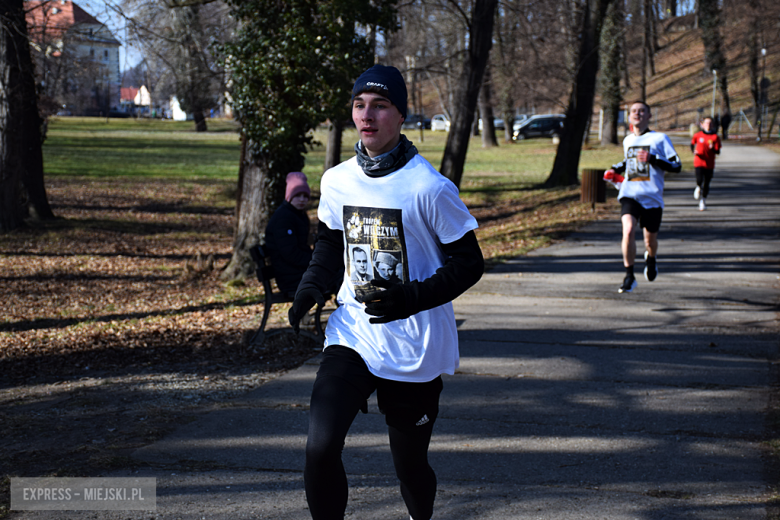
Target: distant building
[
  {"x": 177, "y": 114},
  {"x": 136, "y": 101},
  {"x": 127, "y": 95},
  {"x": 78, "y": 57},
  {"x": 143, "y": 98}
]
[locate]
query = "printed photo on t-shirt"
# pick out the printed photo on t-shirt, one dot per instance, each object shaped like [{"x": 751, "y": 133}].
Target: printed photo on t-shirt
[
  {"x": 388, "y": 266},
  {"x": 376, "y": 250},
  {"x": 635, "y": 170},
  {"x": 360, "y": 266}
]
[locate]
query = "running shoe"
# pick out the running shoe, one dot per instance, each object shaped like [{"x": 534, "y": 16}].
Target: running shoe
[
  {"x": 651, "y": 269},
  {"x": 629, "y": 284},
  {"x": 697, "y": 193},
  {"x": 702, "y": 205}
]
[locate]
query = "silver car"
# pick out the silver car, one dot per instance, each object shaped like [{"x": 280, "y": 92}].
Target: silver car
[{"x": 440, "y": 123}]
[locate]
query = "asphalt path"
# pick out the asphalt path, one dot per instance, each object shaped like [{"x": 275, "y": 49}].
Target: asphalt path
[{"x": 572, "y": 401}]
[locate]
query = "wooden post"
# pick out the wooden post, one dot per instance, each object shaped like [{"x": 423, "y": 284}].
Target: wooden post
[{"x": 593, "y": 187}]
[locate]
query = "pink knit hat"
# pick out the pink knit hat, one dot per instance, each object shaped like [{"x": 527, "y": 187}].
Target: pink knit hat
[{"x": 296, "y": 183}]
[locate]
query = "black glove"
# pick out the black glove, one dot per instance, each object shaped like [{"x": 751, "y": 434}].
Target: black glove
[
  {"x": 389, "y": 304},
  {"x": 304, "y": 300}
]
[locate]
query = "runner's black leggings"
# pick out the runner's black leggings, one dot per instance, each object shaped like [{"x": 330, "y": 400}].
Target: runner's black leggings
[
  {"x": 340, "y": 391},
  {"x": 703, "y": 178}
]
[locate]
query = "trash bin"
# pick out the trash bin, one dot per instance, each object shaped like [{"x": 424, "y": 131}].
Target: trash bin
[{"x": 594, "y": 188}]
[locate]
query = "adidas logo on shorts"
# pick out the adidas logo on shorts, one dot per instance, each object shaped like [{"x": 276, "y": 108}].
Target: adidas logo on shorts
[{"x": 422, "y": 421}]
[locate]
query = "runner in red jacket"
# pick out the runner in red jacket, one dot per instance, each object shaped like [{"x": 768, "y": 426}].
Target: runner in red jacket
[{"x": 705, "y": 145}]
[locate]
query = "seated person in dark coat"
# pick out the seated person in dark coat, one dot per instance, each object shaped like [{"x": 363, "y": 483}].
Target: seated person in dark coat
[{"x": 287, "y": 235}]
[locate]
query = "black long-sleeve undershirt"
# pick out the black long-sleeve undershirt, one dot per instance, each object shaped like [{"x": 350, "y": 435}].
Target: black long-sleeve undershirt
[{"x": 462, "y": 268}]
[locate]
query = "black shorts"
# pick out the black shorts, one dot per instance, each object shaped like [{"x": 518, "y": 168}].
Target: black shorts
[
  {"x": 648, "y": 218},
  {"x": 403, "y": 404}
]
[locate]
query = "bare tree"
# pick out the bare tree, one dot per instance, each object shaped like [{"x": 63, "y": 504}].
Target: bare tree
[
  {"x": 714, "y": 58},
  {"x": 22, "y": 190},
  {"x": 611, "y": 94},
  {"x": 650, "y": 43},
  {"x": 176, "y": 38},
  {"x": 579, "y": 111},
  {"x": 428, "y": 46},
  {"x": 528, "y": 69},
  {"x": 754, "y": 38},
  {"x": 480, "y": 33},
  {"x": 506, "y": 57},
  {"x": 486, "y": 111}
]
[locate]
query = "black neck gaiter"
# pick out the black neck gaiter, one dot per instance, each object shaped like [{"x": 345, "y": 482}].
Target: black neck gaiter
[{"x": 387, "y": 163}]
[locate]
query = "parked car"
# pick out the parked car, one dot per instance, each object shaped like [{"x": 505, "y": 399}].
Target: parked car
[
  {"x": 415, "y": 121},
  {"x": 548, "y": 125},
  {"x": 498, "y": 124},
  {"x": 440, "y": 123},
  {"x": 517, "y": 122}
]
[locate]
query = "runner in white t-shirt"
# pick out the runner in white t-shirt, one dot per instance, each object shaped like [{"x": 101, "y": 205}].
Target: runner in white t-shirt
[
  {"x": 648, "y": 155},
  {"x": 394, "y": 330}
]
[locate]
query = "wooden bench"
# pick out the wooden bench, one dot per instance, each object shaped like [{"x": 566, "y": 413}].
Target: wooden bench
[{"x": 265, "y": 275}]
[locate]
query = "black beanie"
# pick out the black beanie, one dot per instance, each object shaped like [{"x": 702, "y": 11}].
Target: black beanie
[{"x": 387, "y": 79}]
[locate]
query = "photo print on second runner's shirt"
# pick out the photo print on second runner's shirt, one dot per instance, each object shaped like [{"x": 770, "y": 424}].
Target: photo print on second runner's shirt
[
  {"x": 376, "y": 233},
  {"x": 635, "y": 170}
]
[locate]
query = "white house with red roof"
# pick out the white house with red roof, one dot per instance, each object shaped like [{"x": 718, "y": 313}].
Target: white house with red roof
[{"x": 54, "y": 24}]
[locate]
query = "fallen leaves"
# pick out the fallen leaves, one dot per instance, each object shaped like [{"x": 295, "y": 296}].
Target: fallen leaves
[{"x": 127, "y": 276}]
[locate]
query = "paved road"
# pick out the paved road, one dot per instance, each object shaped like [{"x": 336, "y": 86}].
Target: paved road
[{"x": 572, "y": 401}]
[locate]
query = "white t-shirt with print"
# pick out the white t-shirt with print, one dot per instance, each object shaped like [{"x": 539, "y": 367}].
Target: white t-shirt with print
[
  {"x": 398, "y": 220},
  {"x": 643, "y": 182}
]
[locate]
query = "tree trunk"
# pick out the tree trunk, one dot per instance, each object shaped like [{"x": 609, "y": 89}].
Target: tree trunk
[
  {"x": 650, "y": 40},
  {"x": 200, "y": 120},
  {"x": 32, "y": 140},
  {"x": 480, "y": 41},
  {"x": 21, "y": 156},
  {"x": 773, "y": 120},
  {"x": 33, "y": 179},
  {"x": 11, "y": 209},
  {"x": 580, "y": 108},
  {"x": 624, "y": 56},
  {"x": 333, "y": 149},
  {"x": 646, "y": 54},
  {"x": 486, "y": 112},
  {"x": 260, "y": 190},
  {"x": 192, "y": 81},
  {"x": 611, "y": 96},
  {"x": 710, "y": 22},
  {"x": 725, "y": 106},
  {"x": 509, "y": 121},
  {"x": 753, "y": 51}
]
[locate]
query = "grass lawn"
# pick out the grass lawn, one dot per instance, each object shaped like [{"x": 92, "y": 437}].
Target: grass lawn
[
  {"x": 127, "y": 148},
  {"x": 96, "y": 147},
  {"x": 500, "y": 185}
]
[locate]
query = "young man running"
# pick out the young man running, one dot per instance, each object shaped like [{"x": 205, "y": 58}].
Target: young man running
[
  {"x": 705, "y": 145},
  {"x": 395, "y": 338},
  {"x": 648, "y": 155}
]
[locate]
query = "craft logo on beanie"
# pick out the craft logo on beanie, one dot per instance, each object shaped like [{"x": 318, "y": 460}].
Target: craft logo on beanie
[{"x": 388, "y": 80}]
